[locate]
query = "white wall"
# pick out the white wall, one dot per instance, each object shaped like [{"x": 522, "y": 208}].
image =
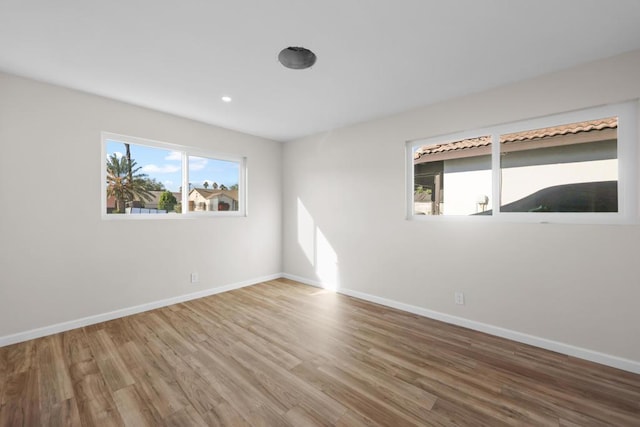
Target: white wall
[
  {"x": 574, "y": 284},
  {"x": 525, "y": 180},
  {"x": 343, "y": 217},
  {"x": 59, "y": 261},
  {"x": 465, "y": 181}
]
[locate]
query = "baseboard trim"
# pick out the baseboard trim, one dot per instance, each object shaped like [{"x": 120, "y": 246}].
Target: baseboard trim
[
  {"x": 91, "y": 320},
  {"x": 558, "y": 347}
]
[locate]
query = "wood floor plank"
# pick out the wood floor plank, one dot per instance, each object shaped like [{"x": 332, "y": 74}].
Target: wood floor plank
[
  {"x": 53, "y": 377},
  {"x": 239, "y": 386},
  {"x": 352, "y": 419},
  {"x": 63, "y": 414},
  {"x": 413, "y": 399},
  {"x": 280, "y": 382},
  {"x": 20, "y": 357},
  {"x": 99, "y": 411},
  {"x": 284, "y": 354},
  {"x": 118, "y": 331},
  {"x": 456, "y": 413},
  {"x": 169, "y": 335},
  {"x": 198, "y": 391},
  {"x": 4, "y": 373},
  {"x": 183, "y": 324},
  {"x": 134, "y": 410},
  {"x": 166, "y": 398},
  {"x": 266, "y": 416},
  {"x": 297, "y": 416},
  {"x": 109, "y": 361},
  {"x": 76, "y": 347},
  {"x": 355, "y": 397},
  {"x": 88, "y": 381},
  {"x": 224, "y": 416},
  {"x": 453, "y": 386},
  {"x": 262, "y": 346},
  {"x": 186, "y": 416},
  {"x": 405, "y": 409},
  {"x": 22, "y": 403}
]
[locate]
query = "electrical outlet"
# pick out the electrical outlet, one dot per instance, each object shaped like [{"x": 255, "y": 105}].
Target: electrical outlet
[
  {"x": 459, "y": 298},
  {"x": 194, "y": 278}
]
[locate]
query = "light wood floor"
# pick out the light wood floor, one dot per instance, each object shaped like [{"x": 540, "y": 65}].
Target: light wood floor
[{"x": 281, "y": 353}]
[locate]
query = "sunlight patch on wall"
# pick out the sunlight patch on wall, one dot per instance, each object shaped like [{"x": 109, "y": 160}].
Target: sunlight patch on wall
[
  {"x": 306, "y": 233},
  {"x": 317, "y": 249}
]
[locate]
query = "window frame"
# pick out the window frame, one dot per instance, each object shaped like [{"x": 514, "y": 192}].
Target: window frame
[
  {"x": 185, "y": 152},
  {"x": 627, "y": 141}
]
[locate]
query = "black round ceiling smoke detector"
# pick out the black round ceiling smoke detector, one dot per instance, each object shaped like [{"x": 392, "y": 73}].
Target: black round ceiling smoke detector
[{"x": 297, "y": 58}]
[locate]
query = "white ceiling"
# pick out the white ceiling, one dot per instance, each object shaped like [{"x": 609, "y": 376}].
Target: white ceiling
[{"x": 375, "y": 58}]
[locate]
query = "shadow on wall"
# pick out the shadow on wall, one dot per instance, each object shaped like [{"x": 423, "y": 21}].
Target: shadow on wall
[{"x": 317, "y": 249}]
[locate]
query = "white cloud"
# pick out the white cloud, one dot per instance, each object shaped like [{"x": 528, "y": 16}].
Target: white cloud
[
  {"x": 197, "y": 163},
  {"x": 174, "y": 155},
  {"x": 160, "y": 169}
]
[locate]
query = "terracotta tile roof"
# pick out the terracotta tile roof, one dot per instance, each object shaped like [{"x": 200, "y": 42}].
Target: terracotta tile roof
[
  {"x": 484, "y": 141},
  {"x": 610, "y": 123}
]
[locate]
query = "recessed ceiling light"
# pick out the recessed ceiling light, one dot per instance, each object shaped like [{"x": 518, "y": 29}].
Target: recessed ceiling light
[
  {"x": 297, "y": 58},
  {"x": 226, "y": 98}
]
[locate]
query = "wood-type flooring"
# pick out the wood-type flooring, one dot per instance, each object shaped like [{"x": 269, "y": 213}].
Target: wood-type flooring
[{"x": 285, "y": 354}]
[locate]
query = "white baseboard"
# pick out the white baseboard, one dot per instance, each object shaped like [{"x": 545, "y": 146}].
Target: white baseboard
[
  {"x": 91, "y": 320},
  {"x": 570, "y": 350}
]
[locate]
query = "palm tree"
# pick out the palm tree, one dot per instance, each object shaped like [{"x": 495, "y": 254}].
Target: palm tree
[
  {"x": 205, "y": 185},
  {"x": 125, "y": 183}
]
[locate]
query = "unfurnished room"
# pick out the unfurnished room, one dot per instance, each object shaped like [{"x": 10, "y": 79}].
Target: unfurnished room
[{"x": 338, "y": 213}]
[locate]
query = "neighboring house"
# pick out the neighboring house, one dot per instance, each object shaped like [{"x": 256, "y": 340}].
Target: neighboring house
[
  {"x": 111, "y": 204},
  {"x": 201, "y": 199},
  {"x": 458, "y": 174},
  {"x": 153, "y": 203}
]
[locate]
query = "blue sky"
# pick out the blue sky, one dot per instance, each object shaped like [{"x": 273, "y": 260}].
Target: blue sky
[{"x": 166, "y": 167}]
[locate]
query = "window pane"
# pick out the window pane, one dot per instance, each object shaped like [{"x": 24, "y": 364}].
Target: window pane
[
  {"x": 142, "y": 180},
  {"x": 214, "y": 184},
  {"x": 568, "y": 168},
  {"x": 453, "y": 177}
]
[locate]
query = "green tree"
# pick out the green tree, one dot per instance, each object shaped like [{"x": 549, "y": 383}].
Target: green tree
[
  {"x": 154, "y": 185},
  {"x": 223, "y": 187},
  {"x": 205, "y": 185},
  {"x": 214, "y": 185},
  {"x": 233, "y": 187},
  {"x": 124, "y": 183},
  {"x": 167, "y": 201}
]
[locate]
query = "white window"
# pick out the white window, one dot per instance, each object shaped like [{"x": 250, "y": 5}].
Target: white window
[
  {"x": 150, "y": 179},
  {"x": 572, "y": 167}
]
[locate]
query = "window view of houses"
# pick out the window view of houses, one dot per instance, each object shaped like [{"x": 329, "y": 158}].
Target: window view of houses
[
  {"x": 148, "y": 180},
  {"x": 568, "y": 168}
]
